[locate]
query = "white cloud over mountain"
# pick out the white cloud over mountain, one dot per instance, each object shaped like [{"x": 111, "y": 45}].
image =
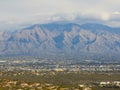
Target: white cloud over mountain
[{"x": 46, "y": 10}]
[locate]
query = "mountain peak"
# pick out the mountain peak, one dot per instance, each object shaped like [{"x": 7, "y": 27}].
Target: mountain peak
[{"x": 56, "y": 39}]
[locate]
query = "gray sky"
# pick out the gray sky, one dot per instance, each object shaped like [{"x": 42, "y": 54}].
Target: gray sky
[{"x": 15, "y": 11}]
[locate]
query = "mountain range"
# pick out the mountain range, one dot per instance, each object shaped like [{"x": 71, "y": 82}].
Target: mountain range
[{"x": 67, "y": 40}]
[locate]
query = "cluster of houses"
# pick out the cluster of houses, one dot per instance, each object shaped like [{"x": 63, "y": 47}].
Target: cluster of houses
[
  {"x": 85, "y": 87},
  {"x": 16, "y": 85},
  {"x": 46, "y": 65},
  {"x": 108, "y": 84}
]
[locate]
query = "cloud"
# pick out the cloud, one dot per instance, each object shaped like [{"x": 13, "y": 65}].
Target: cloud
[
  {"x": 116, "y": 13},
  {"x": 28, "y": 10},
  {"x": 105, "y": 16}
]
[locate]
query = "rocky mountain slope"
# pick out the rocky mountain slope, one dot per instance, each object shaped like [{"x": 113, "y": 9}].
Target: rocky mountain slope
[{"x": 87, "y": 40}]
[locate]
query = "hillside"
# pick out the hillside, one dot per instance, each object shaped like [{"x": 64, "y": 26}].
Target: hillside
[{"x": 73, "y": 41}]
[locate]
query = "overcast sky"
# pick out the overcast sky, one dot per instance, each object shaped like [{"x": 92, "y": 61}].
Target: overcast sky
[{"x": 12, "y": 11}]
